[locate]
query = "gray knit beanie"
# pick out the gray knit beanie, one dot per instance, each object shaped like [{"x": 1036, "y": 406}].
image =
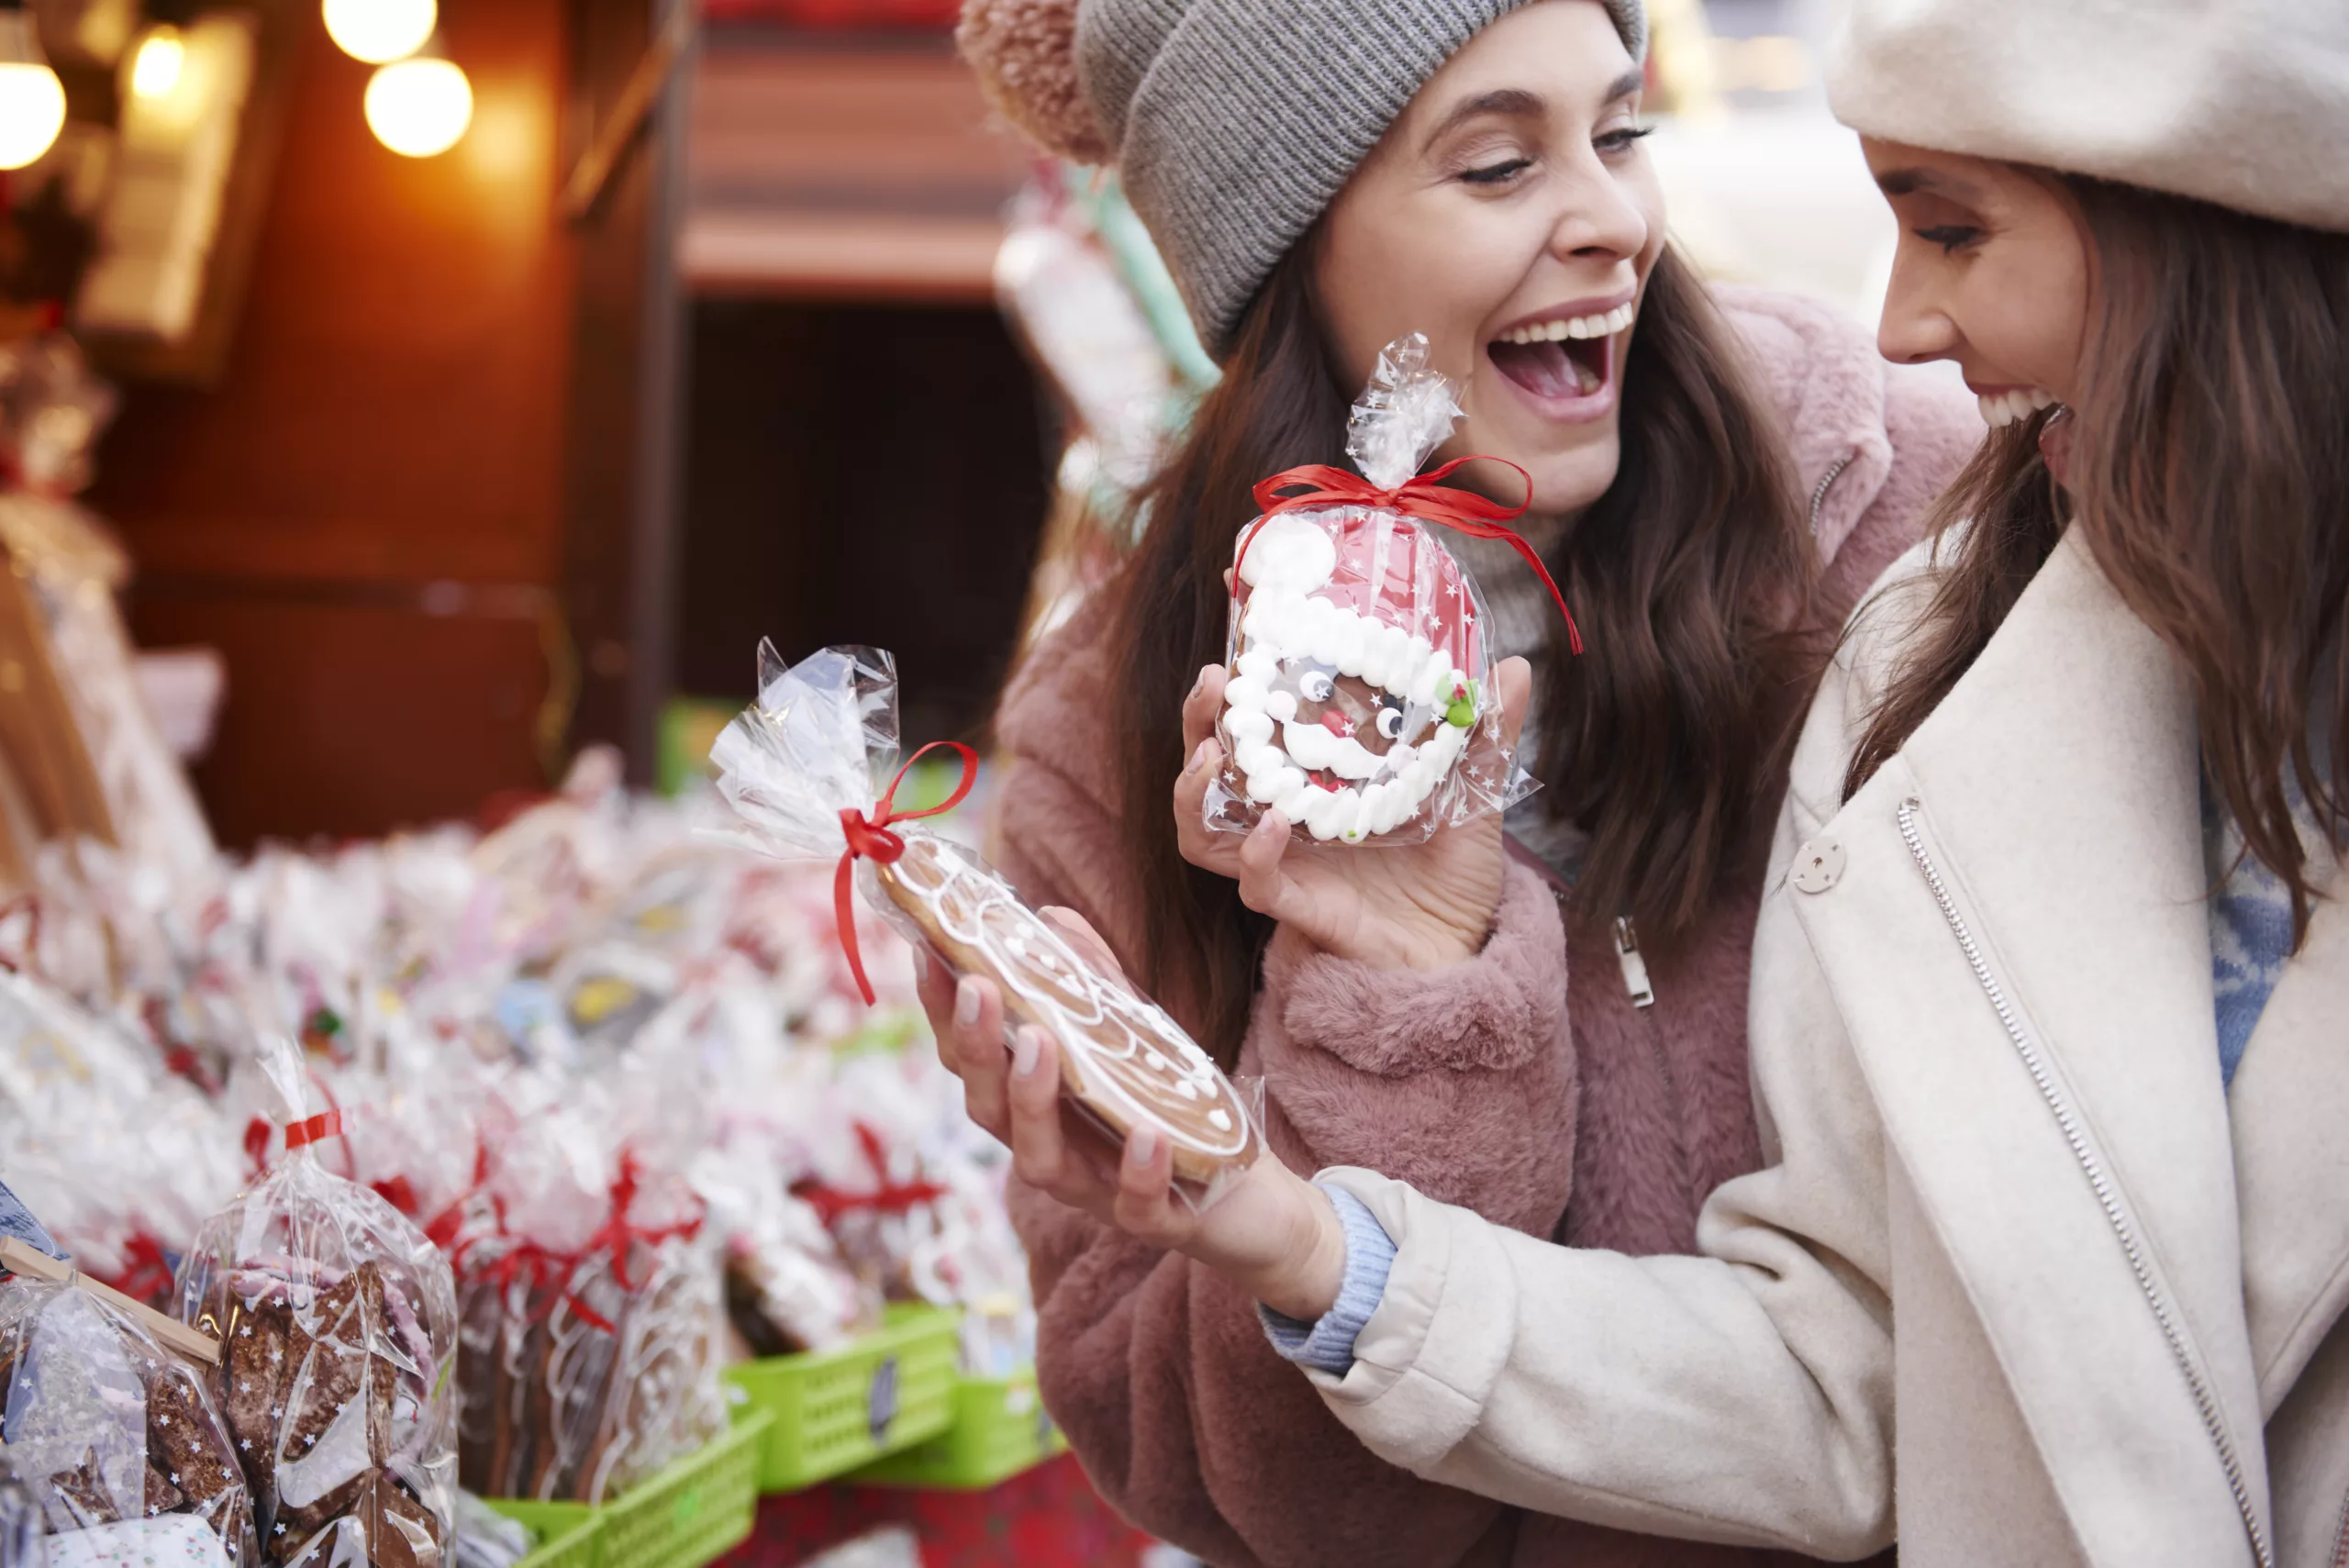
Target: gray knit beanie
[{"x": 1235, "y": 123}]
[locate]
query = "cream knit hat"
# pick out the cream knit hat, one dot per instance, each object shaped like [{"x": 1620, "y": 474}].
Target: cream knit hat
[{"x": 2241, "y": 102}]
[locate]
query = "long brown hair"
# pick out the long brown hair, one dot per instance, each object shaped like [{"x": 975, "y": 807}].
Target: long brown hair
[
  {"x": 2209, "y": 471},
  {"x": 1691, "y": 578}
]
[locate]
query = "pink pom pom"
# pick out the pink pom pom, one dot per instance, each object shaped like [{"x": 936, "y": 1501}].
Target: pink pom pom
[{"x": 1025, "y": 55}]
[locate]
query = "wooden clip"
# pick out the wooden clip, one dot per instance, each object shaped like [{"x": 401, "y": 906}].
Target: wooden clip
[{"x": 22, "y": 1258}]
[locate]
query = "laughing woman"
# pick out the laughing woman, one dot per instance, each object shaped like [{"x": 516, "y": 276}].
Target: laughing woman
[
  {"x": 2050, "y": 990},
  {"x": 1547, "y": 1027}
]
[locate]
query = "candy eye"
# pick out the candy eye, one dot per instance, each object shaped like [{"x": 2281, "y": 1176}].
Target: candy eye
[
  {"x": 1390, "y": 720},
  {"x": 1315, "y": 685}
]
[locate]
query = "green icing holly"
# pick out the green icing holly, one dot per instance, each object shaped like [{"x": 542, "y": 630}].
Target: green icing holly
[{"x": 1462, "y": 713}]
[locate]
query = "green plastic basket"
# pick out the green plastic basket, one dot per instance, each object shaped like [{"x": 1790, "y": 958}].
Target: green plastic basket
[
  {"x": 834, "y": 1410},
  {"x": 693, "y": 1512},
  {"x": 690, "y": 1513},
  {"x": 567, "y": 1532},
  {"x": 999, "y": 1430}
]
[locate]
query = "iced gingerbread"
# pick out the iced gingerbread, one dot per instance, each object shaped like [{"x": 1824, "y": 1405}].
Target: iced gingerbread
[
  {"x": 1358, "y": 702},
  {"x": 799, "y": 768}
]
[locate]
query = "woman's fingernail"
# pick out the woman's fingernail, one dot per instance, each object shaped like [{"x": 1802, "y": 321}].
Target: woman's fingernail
[
  {"x": 1025, "y": 1048},
  {"x": 1141, "y": 1145},
  {"x": 1199, "y": 757},
  {"x": 1201, "y": 683},
  {"x": 966, "y": 1002}
]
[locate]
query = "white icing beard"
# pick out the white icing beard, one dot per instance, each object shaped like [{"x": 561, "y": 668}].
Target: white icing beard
[{"x": 1287, "y": 560}]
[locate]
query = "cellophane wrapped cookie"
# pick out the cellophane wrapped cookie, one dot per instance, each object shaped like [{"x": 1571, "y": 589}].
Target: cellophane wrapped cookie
[
  {"x": 591, "y": 1312},
  {"x": 337, "y": 1322},
  {"x": 1359, "y": 701},
  {"x": 802, "y": 767},
  {"x": 116, "y": 1435}
]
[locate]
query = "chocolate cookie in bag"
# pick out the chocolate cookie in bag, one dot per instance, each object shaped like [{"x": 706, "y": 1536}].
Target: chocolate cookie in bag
[
  {"x": 106, "y": 1428},
  {"x": 336, "y": 1317},
  {"x": 1359, "y": 703},
  {"x": 803, "y": 768}
]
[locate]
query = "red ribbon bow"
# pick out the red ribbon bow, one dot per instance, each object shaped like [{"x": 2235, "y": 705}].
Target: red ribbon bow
[
  {"x": 1423, "y": 496},
  {"x": 870, "y": 837}
]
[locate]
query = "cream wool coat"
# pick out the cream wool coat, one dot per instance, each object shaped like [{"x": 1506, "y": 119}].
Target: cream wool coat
[{"x": 2018, "y": 1280}]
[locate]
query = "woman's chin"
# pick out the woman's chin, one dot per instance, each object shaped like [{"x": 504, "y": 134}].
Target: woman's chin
[{"x": 1564, "y": 481}]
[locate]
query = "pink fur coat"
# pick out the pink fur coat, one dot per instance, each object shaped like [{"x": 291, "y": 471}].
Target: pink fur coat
[{"x": 1522, "y": 1083}]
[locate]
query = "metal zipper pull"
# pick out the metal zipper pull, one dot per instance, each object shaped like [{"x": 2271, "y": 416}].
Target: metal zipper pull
[{"x": 1635, "y": 968}]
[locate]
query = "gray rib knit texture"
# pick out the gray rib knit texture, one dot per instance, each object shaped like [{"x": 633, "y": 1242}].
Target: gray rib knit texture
[{"x": 1235, "y": 123}]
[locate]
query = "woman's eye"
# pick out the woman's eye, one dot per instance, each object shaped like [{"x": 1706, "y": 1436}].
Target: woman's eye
[
  {"x": 1951, "y": 237},
  {"x": 1499, "y": 174},
  {"x": 1390, "y": 720},
  {"x": 1621, "y": 139}
]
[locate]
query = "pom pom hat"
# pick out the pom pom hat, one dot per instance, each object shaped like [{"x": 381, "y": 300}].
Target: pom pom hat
[
  {"x": 2240, "y": 103},
  {"x": 1233, "y": 122}
]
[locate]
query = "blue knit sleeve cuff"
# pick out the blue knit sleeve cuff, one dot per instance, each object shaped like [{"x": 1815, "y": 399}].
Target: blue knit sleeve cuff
[{"x": 1326, "y": 1344}]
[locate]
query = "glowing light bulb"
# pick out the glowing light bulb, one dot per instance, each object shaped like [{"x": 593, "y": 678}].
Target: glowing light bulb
[
  {"x": 155, "y": 69},
  {"x": 419, "y": 108},
  {"x": 32, "y": 101},
  {"x": 380, "y": 30}
]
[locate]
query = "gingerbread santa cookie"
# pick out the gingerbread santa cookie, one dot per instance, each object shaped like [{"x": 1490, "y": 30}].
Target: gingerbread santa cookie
[
  {"x": 800, "y": 767},
  {"x": 1358, "y": 702}
]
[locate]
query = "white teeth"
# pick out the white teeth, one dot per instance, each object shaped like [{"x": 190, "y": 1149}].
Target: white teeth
[
  {"x": 2003, "y": 408},
  {"x": 1603, "y": 325}
]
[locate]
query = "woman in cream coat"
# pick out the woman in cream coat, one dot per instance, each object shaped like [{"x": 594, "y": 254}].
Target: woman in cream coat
[{"x": 2034, "y": 1273}]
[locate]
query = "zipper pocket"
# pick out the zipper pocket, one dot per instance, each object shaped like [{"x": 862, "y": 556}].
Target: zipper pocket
[
  {"x": 2092, "y": 1166},
  {"x": 1826, "y": 482}
]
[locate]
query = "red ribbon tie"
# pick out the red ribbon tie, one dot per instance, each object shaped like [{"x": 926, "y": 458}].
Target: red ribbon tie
[
  {"x": 869, "y": 837},
  {"x": 1423, "y": 496},
  {"x": 313, "y": 1129}
]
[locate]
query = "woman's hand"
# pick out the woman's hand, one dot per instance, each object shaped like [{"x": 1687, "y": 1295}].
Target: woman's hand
[
  {"x": 1418, "y": 907},
  {"x": 1272, "y": 1233}
]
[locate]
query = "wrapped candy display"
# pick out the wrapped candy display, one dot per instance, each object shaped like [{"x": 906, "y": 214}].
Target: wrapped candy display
[
  {"x": 116, "y": 1440},
  {"x": 336, "y": 1317},
  {"x": 1359, "y": 702},
  {"x": 802, "y": 767}
]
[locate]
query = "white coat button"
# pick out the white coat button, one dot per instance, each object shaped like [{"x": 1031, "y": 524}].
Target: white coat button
[{"x": 1817, "y": 865}]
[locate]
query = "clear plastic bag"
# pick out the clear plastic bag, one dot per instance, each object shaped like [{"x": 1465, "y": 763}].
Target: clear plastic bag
[
  {"x": 802, "y": 768},
  {"x": 1359, "y": 703},
  {"x": 336, "y": 1320},
  {"x": 107, "y": 1429},
  {"x": 591, "y": 1314}
]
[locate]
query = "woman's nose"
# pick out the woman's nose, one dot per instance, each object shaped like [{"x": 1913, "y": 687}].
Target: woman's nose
[
  {"x": 1600, "y": 220},
  {"x": 1914, "y": 327}
]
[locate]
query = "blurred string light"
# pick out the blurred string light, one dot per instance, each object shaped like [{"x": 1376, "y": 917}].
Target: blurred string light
[
  {"x": 419, "y": 108},
  {"x": 32, "y": 101},
  {"x": 155, "y": 67},
  {"x": 379, "y": 31}
]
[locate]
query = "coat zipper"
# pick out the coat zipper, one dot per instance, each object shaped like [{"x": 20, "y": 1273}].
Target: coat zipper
[
  {"x": 2092, "y": 1166},
  {"x": 1636, "y": 982},
  {"x": 2341, "y": 1538},
  {"x": 1826, "y": 482}
]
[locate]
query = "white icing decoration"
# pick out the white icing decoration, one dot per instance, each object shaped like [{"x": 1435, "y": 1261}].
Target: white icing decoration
[
  {"x": 1288, "y": 551},
  {"x": 1280, "y": 706},
  {"x": 1074, "y": 1000}
]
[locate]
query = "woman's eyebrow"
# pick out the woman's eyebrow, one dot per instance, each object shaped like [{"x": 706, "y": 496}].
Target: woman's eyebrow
[
  {"x": 1514, "y": 101},
  {"x": 1522, "y": 104},
  {"x": 1908, "y": 182}
]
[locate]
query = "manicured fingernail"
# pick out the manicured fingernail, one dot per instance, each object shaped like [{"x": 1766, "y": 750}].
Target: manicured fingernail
[
  {"x": 1141, "y": 1145},
  {"x": 1199, "y": 757},
  {"x": 1201, "y": 683},
  {"x": 966, "y": 1003},
  {"x": 1025, "y": 1048}
]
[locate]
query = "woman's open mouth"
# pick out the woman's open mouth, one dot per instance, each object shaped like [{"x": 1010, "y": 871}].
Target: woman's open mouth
[{"x": 1566, "y": 365}]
